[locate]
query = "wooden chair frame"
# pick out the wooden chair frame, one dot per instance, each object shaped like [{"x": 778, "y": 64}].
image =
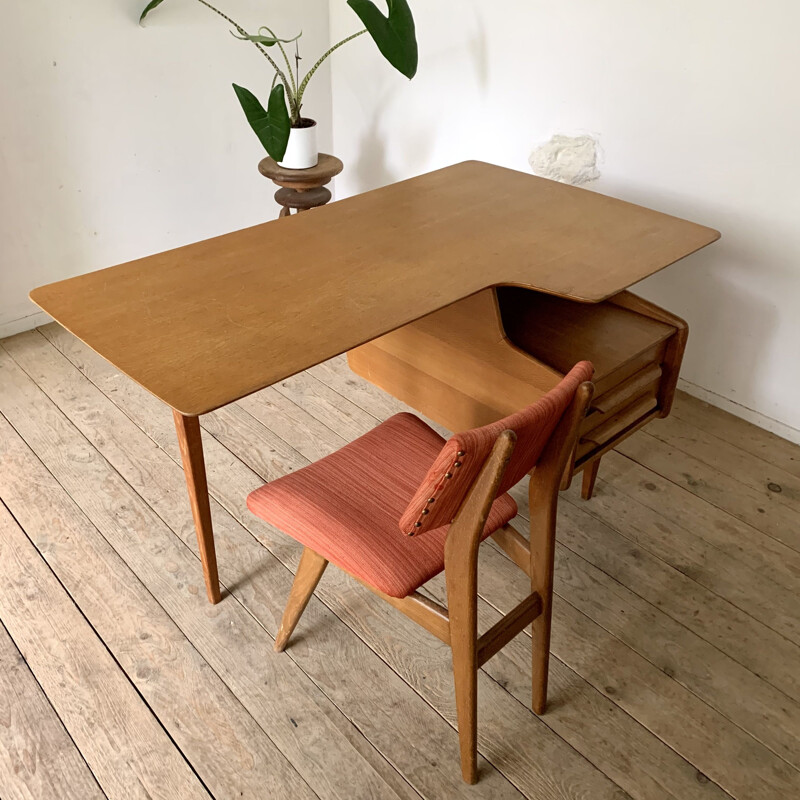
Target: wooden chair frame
[{"x": 457, "y": 625}]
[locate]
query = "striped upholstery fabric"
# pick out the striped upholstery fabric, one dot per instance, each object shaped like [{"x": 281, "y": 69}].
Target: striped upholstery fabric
[
  {"x": 456, "y": 467},
  {"x": 346, "y": 506}
]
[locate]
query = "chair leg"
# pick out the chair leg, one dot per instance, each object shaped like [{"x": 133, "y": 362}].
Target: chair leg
[
  {"x": 309, "y": 571},
  {"x": 589, "y": 477},
  {"x": 463, "y": 641},
  {"x": 542, "y": 544}
]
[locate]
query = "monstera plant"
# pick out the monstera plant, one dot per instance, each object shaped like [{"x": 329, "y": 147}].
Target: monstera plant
[{"x": 274, "y": 126}]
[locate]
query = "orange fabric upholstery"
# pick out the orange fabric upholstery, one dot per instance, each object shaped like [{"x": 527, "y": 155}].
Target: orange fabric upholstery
[
  {"x": 346, "y": 506},
  {"x": 441, "y": 492}
]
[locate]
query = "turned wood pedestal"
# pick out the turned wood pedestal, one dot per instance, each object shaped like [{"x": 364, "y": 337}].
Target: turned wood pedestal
[{"x": 301, "y": 189}]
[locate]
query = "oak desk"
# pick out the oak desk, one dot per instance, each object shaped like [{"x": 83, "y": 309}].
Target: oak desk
[{"x": 209, "y": 323}]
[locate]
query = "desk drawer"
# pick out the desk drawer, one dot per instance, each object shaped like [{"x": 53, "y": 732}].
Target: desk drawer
[
  {"x": 615, "y": 424},
  {"x": 610, "y": 382},
  {"x": 643, "y": 384},
  {"x": 638, "y": 384}
]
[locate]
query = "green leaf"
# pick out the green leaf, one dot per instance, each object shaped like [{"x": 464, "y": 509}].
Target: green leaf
[
  {"x": 394, "y": 35},
  {"x": 271, "y": 126},
  {"x": 259, "y": 38},
  {"x": 150, "y": 6}
]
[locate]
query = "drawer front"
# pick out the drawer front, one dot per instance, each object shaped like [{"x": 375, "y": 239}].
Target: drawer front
[
  {"x": 643, "y": 382},
  {"x": 653, "y": 355},
  {"x": 615, "y": 424}
]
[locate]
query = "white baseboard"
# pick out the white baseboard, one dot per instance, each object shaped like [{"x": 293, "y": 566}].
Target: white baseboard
[
  {"x": 24, "y": 324},
  {"x": 761, "y": 420}
]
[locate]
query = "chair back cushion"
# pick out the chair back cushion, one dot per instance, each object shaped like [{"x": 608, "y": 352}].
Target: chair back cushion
[{"x": 455, "y": 469}]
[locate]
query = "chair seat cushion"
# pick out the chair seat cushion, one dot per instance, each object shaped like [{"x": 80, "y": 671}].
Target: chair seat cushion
[{"x": 346, "y": 506}]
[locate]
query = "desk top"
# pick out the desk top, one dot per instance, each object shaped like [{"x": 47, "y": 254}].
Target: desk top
[{"x": 211, "y": 322}]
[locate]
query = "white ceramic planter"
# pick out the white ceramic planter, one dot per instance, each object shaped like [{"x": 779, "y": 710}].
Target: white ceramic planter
[{"x": 301, "y": 152}]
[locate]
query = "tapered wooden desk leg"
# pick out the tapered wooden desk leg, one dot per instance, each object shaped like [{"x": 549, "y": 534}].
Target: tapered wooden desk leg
[
  {"x": 194, "y": 468},
  {"x": 589, "y": 478}
]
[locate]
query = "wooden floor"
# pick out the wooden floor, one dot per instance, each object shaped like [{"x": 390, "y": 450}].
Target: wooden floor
[{"x": 676, "y": 670}]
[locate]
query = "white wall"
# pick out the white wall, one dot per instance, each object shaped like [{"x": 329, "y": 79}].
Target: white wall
[
  {"x": 119, "y": 141},
  {"x": 695, "y": 107}
]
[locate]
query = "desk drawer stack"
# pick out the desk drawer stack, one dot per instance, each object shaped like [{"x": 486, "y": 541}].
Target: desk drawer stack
[
  {"x": 496, "y": 352},
  {"x": 635, "y": 346}
]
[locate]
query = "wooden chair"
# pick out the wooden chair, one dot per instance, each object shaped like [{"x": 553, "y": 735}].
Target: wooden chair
[{"x": 399, "y": 505}]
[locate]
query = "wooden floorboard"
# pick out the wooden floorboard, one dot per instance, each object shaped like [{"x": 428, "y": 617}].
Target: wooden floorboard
[
  {"x": 217, "y": 734},
  {"x": 631, "y": 609},
  {"x": 278, "y": 696},
  {"x": 676, "y": 669},
  {"x": 675, "y": 506},
  {"x": 37, "y": 756},
  {"x": 692, "y": 588},
  {"x": 747, "y": 437},
  {"x": 121, "y": 740},
  {"x": 727, "y": 458},
  {"x": 761, "y": 508},
  {"x": 757, "y": 588}
]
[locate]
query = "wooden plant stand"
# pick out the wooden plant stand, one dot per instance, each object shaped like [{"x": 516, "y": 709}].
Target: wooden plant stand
[{"x": 301, "y": 189}]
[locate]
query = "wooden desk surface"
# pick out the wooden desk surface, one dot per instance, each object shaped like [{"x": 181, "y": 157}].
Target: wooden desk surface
[{"x": 206, "y": 324}]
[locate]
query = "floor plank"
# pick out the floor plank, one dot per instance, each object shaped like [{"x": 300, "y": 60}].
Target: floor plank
[
  {"x": 729, "y": 688},
  {"x": 729, "y": 459},
  {"x": 226, "y": 635},
  {"x": 37, "y": 757},
  {"x": 760, "y": 507},
  {"x": 290, "y": 423},
  {"x": 124, "y": 745},
  {"x": 677, "y": 507},
  {"x": 706, "y": 670},
  {"x": 768, "y": 598},
  {"x": 747, "y": 437},
  {"x": 720, "y": 750},
  {"x": 686, "y": 582},
  {"x": 675, "y": 638},
  {"x": 609, "y": 737},
  {"x": 203, "y": 717},
  {"x": 325, "y": 405}
]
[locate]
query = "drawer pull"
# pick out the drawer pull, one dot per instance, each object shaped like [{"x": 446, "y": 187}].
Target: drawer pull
[
  {"x": 626, "y": 391},
  {"x": 602, "y": 433}
]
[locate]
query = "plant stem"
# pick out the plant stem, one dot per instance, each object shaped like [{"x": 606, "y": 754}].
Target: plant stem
[
  {"x": 285, "y": 57},
  {"x": 297, "y": 66},
  {"x": 301, "y": 89},
  {"x": 293, "y": 103}
]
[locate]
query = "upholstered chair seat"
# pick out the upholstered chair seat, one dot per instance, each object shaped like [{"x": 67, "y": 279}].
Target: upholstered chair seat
[{"x": 347, "y": 506}]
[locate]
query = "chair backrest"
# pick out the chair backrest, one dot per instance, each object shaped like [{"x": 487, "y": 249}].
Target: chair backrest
[{"x": 458, "y": 464}]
